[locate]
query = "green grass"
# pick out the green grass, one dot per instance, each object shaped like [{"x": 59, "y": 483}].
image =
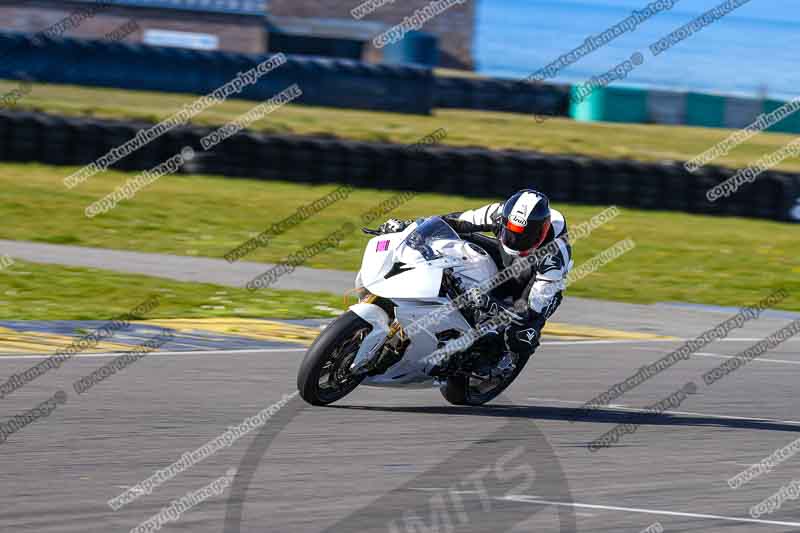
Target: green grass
[
  {"x": 31, "y": 291},
  {"x": 465, "y": 128},
  {"x": 679, "y": 257}
]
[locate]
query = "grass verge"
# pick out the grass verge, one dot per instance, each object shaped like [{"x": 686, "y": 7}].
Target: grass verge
[
  {"x": 642, "y": 142},
  {"x": 678, "y": 257}
]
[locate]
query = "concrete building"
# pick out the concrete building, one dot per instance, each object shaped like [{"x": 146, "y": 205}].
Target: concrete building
[
  {"x": 455, "y": 27},
  {"x": 314, "y": 27},
  {"x": 233, "y": 25}
]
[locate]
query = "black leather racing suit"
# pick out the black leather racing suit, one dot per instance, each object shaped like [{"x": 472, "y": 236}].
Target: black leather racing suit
[{"x": 537, "y": 292}]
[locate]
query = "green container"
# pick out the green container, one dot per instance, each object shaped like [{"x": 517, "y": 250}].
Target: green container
[
  {"x": 588, "y": 110},
  {"x": 609, "y": 104},
  {"x": 790, "y": 123},
  {"x": 705, "y": 110}
]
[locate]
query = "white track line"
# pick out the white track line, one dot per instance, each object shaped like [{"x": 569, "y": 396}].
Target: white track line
[
  {"x": 606, "y": 341},
  {"x": 723, "y": 356},
  {"x": 756, "y": 360},
  {"x": 530, "y": 499},
  {"x": 750, "y": 339},
  {"x": 268, "y": 350},
  {"x": 650, "y": 341},
  {"x": 188, "y": 352},
  {"x": 624, "y": 408}
]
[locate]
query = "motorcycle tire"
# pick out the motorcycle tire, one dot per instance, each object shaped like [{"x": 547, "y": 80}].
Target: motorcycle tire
[
  {"x": 347, "y": 331},
  {"x": 458, "y": 392}
]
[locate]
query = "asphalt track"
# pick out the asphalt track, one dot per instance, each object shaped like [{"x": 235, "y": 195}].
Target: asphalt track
[
  {"x": 399, "y": 460},
  {"x": 179, "y": 268}
]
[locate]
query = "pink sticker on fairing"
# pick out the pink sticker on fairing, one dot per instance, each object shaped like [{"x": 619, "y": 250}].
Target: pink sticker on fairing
[{"x": 382, "y": 246}]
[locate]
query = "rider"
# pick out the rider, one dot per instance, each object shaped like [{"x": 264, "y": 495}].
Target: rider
[{"x": 522, "y": 224}]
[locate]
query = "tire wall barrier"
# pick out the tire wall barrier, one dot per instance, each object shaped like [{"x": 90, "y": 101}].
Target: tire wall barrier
[
  {"x": 29, "y": 137},
  {"x": 501, "y": 95},
  {"x": 324, "y": 82}
]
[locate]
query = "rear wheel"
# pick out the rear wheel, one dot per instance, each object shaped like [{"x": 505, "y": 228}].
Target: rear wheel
[
  {"x": 324, "y": 376},
  {"x": 477, "y": 390}
]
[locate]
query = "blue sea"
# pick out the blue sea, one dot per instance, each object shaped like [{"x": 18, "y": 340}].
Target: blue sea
[{"x": 751, "y": 52}]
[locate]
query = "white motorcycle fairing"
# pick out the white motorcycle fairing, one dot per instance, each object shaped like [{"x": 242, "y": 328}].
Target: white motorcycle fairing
[
  {"x": 407, "y": 268},
  {"x": 380, "y": 255}
]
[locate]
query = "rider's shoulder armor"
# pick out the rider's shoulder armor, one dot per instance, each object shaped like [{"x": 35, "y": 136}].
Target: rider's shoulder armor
[{"x": 558, "y": 222}]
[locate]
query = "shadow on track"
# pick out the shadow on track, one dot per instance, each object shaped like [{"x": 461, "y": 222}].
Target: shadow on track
[
  {"x": 491, "y": 468},
  {"x": 599, "y": 416}
]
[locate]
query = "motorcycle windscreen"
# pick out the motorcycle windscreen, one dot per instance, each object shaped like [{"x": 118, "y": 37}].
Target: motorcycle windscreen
[{"x": 414, "y": 267}]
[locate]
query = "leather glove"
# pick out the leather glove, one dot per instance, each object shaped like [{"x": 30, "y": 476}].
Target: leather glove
[
  {"x": 522, "y": 339},
  {"x": 393, "y": 225}
]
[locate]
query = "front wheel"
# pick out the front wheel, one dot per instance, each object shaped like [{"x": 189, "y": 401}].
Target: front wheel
[
  {"x": 324, "y": 376},
  {"x": 477, "y": 390}
]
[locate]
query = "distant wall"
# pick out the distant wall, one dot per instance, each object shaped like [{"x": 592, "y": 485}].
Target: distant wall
[
  {"x": 443, "y": 169},
  {"x": 455, "y": 27}
]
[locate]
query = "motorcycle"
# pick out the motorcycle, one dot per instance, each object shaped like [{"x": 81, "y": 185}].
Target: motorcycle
[{"x": 407, "y": 286}]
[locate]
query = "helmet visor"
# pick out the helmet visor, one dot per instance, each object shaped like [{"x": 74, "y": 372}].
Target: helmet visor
[{"x": 523, "y": 239}]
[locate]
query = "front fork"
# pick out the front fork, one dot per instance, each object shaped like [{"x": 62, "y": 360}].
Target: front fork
[{"x": 383, "y": 329}]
